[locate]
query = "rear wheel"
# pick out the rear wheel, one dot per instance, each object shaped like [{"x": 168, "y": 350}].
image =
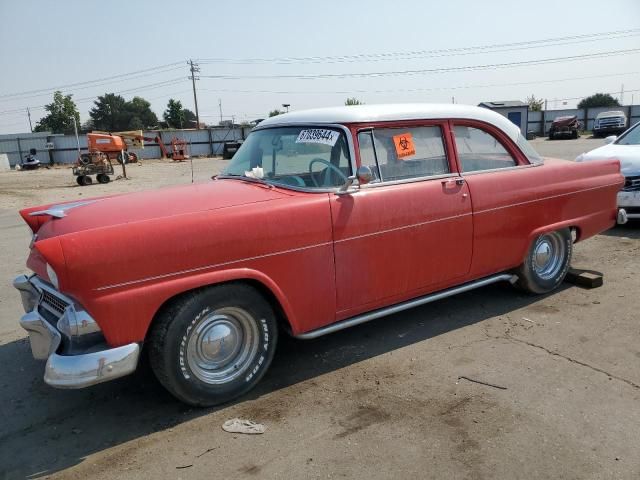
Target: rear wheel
[
  {"x": 213, "y": 345},
  {"x": 547, "y": 262}
]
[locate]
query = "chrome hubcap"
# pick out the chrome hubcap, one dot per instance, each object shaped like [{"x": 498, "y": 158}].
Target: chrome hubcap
[
  {"x": 548, "y": 255},
  {"x": 221, "y": 346}
]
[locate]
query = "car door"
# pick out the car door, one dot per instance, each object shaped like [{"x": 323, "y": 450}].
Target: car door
[
  {"x": 504, "y": 195},
  {"x": 408, "y": 231}
]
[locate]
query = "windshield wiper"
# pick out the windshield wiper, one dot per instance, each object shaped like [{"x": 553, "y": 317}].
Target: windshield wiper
[{"x": 245, "y": 178}]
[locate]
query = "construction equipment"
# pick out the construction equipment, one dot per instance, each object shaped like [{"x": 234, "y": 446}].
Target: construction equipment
[
  {"x": 93, "y": 163},
  {"x": 113, "y": 146},
  {"x": 136, "y": 139}
]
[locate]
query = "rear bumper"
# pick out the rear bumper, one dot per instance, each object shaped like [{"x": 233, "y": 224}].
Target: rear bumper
[{"x": 83, "y": 364}]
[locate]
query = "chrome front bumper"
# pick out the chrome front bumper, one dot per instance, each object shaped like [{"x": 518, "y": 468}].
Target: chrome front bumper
[{"x": 75, "y": 356}]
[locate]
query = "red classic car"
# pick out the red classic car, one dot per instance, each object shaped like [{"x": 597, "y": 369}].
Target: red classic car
[{"x": 323, "y": 220}]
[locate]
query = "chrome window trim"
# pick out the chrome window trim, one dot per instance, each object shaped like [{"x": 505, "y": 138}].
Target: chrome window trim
[
  {"x": 514, "y": 167},
  {"x": 408, "y": 180},
  {"x": 338, "y": 126}
]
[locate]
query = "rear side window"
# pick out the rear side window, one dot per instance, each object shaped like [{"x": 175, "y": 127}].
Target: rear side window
[
  {"x": 479, "y": 150},
  {"x": 403, "y": 153}
]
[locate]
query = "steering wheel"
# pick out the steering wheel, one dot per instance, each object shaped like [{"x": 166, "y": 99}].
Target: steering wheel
[{"x": 330, "y": 166}]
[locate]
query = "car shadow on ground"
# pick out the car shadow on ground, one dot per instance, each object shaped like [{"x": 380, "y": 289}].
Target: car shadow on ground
[
  {"x": 46, "y": 430},
  {"x": 629, "y": 230}
]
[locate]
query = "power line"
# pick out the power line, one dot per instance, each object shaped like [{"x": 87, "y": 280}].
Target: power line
[
  {"x": 76, "y": 85},
  {"x": 491, "y": 48},
  {"x": 409, "y": 90},
  {"x": 151, "y": 86},
  {"x": 427, "y": 71}
]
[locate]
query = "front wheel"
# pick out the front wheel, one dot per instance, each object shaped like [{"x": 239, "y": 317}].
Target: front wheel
[
  {"x": 547, "y": 262},
  {"x": 213, "y": 345}
]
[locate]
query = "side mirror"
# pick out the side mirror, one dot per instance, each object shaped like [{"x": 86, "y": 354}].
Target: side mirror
[
  {"x": 610, "y": 139},
  {"x": 364, "y": 175}
]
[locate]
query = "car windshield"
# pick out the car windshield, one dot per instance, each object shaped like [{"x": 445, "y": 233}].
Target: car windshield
[
  {"x": 630, "y": 137},
  {"x": 303, "y": 156}
]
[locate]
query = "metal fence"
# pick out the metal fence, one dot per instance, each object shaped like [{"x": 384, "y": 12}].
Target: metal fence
[{"x": 61, "y": 149}]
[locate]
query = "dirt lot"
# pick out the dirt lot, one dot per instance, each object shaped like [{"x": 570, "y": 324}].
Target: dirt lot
[{"x": 383, "y": 400}]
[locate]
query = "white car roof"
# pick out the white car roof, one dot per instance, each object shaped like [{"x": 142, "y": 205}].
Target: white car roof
[{"x": 392, "y": 112}]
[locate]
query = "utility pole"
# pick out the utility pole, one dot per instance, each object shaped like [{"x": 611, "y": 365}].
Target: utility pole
[
  {"x": 622, "y": 94},
  {"x": 29, "y": 115},
  {"x": 195, "y": 69},
  {"x": 220, "y": 107}
]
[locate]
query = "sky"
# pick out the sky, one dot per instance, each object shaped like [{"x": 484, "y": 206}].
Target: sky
[{"x": 255, "y": 56}]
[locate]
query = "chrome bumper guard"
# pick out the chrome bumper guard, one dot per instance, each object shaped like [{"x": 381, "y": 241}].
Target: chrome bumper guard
[{"x": 93, "y": 364}]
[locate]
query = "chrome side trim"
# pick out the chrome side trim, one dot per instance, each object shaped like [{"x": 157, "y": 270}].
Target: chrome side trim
[
  {"x": 215, "y": 265},
  {"x": 357, "y": 320},
  {"x": 545, "y": 198},
  {"x": 404, "y": 227},
  {"x": 79, "y": 371}
]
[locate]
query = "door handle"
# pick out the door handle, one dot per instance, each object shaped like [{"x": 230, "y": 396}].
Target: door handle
[{"x": 453, "y": 181}]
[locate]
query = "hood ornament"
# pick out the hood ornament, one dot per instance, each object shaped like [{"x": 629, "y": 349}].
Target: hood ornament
[{"x": 59, "y": 211}]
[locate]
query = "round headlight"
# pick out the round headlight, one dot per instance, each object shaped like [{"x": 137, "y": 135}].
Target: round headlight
[{"x": 53, "y": 278}]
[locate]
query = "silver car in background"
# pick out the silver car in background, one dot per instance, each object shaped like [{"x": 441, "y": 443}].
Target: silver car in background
[{"x": 625, "y": 148}]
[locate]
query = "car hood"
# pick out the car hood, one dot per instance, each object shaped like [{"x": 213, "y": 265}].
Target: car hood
[
  {"x": 629, "y": 156},
  {"x": 60, "y": 219}
]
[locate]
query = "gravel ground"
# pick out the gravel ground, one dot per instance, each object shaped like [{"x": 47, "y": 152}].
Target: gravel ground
[{"x": 383, "y": 400}]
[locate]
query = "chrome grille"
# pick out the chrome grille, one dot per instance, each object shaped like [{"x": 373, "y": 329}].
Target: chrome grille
[
  {"x": 610, "y": 121},
  {"x": 53, "y": 303},
  {"x": 631, "y": 184}
]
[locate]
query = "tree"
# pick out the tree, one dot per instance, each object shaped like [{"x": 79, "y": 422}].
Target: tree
[
  {"x": 113, "y": 113},
  {"x": 140, "y": 114},
  {"x": 535, "y": 104},
  {"x": 189, "y": 118},
  {"x": 174, "y": 114},
  {"x": 62, "y": 111},
  {"x": 110, "y": 113},
  {"x": 598, "y": 100},
  {"x": 353, "y": 101},
  {"x": 275, "y": 112}
]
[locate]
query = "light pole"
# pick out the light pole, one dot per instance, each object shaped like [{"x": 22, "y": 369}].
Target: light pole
[
  {"x": 286, "y": 105},
  {"x": 75, "y": 129}
]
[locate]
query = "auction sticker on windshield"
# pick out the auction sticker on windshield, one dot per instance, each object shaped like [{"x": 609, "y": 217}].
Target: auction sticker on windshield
[{"x": 318, "y": 135}]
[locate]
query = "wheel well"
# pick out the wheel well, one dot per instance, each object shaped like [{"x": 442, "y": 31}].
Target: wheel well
[
  {"x": 281, "y": 316},
  {"x": 575, "y": 234}
]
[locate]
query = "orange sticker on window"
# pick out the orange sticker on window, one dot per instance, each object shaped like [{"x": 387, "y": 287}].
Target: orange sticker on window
[{"x": 404, "y": 145}]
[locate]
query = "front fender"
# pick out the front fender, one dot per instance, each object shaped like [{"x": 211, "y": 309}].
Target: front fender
[{"x": 125, "y": 313}]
